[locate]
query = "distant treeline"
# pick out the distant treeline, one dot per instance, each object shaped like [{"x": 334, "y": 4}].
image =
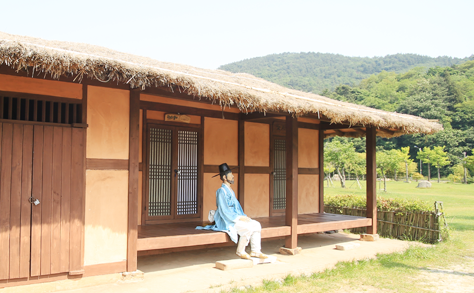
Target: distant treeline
[{"x": 315, "y": 72}]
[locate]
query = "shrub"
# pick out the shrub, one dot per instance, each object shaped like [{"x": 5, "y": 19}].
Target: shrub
[
  {"x": 417, "y": 176},
  {"x": 383, "y": 204}
]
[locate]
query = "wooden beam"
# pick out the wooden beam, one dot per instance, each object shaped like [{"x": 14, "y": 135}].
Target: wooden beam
[
  {"x": 321, "y": 166},
  {"x": 360, "y": 130},
  {"x": 308, "y": 125},
  {"x": 208, "y": 238},
  {"x": 258, "y": 116},
  {"x": 319, "y": 117},
  {"x": 35, "y": 123},
  {"x": 309, "y": 171},
  {"x": 173, "y": 123},
  {"x": 335, "y": 225},
  {"x": 187, "y": 110},
  {"x": 106, "y": 268},
  {"x": 177, "y": 93},
  {"x": 257, "y": 170},
  {"x": 241, "y": 158},
  {"x": 291, "y": 215},
  {"x": 215, "y": 169},
  {"x": 341, "y": 126},
  {"x": 107, "y": 164},
  {"x": 132, "y": 234},
  {"x": 389, "y": 132},
  {"x": 338, "y": 132},
  {"x": 262, "y": 120},
  {"x": 371, "y": 179}
]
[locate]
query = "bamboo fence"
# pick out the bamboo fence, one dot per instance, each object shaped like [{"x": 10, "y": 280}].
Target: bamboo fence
[{"x": 421, "y": 226}]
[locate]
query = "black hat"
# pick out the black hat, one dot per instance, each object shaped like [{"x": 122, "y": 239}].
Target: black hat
[{"x": 224, "y": 170}]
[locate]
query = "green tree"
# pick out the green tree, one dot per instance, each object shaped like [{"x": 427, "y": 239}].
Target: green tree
[
  {"x": 458, "y": 173},
  {"x": 387, "y": 161},
  {"x": 439, "y": 157},
  {"x": 470, "y": 161},
  {"x": 405, "y": 161},
  {"x": 424, "y": 155},
  {"x": 357, "y": 166},
  {"x": 328, "y": 169},
  {"x": 340, "y": 155},
  {"x": 382, "y": 163}
]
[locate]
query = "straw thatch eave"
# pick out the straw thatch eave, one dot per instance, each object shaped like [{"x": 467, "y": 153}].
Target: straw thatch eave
[{"x": 246, "y": 92}]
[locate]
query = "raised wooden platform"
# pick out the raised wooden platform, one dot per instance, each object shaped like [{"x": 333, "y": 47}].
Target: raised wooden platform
[{"x": 165, "y": 236}]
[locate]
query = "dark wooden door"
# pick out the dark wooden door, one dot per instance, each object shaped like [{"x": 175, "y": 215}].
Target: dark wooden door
[
  {"x": 43, "y": 163},
  {"x": 173, "y": 177}
]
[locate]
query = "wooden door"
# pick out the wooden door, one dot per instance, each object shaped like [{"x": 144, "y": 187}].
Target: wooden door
[
  {"x": 173, "y": 175},
  {"x": 16, "y": 143},
  {"x": 44, "y": 163}
]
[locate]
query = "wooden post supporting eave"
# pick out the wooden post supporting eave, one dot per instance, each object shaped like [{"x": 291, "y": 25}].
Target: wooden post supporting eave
[
  {"x": 321, "y": 167},
  {"x": 371, "y": 179},
  {"x": 241, "y": 171},
  {"x": 291, "y": 215},
  {"x": 132, "y": 234}
]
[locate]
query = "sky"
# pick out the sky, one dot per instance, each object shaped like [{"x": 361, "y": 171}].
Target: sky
[{"x": 210, "y": 33}]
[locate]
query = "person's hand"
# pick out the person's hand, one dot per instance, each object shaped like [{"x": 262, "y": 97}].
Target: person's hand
[{"x": 245, "y": 219}]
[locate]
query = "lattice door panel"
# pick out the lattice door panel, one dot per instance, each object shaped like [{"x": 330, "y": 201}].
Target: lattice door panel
[
  {"x": 172, "y": 173},
  {"x": 159, "y": 173},
  {"x": 187, "y": 175},
  {"x": 279, "y": 175}
]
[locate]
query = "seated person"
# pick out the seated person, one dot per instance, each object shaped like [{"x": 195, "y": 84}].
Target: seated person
[{"x": 230, "y": 218}]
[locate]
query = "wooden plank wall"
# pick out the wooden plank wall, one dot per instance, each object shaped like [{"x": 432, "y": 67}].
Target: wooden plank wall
[{"x": 38, "y": 161}]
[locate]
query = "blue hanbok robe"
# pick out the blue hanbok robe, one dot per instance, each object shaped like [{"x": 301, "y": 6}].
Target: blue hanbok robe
[{"x": 228, "y": 212}]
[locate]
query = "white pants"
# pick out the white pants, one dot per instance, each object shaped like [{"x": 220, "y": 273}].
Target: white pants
[{"x": 249, "y": 231}]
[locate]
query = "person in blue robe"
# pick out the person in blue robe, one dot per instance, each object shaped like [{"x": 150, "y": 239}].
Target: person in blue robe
[{"x": 230, "y": 218}]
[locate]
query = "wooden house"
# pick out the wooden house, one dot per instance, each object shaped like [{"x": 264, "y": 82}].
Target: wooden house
[{"x": 105, "y": 156}]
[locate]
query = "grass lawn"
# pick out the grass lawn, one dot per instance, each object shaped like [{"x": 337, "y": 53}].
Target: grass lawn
[{"x": 405, "y": 272}]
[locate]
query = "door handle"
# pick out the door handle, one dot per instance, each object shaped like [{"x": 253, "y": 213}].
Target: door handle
[
  {"x": 34, "y": 201},
  {"x": 177, "y": 172}
]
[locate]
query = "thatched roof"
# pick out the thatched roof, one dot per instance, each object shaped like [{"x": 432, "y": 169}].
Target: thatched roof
[{"x": 247, "y": 92}]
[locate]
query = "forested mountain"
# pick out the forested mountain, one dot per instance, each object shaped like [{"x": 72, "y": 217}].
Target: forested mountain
[{"x": 315, "y": 72}]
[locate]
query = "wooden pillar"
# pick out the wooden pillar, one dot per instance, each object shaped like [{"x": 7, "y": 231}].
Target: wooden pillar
[
  {"x": 321, "y": 167},
  {"x": 241, "y": 134},
  {"x": 291, "y": 216},
  {"x": 371, "y": 179},
  {"x": 132, "y": 234}
]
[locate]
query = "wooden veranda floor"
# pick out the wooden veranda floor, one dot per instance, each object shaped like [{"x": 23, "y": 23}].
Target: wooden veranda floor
[{"x": 152, "y": 237}]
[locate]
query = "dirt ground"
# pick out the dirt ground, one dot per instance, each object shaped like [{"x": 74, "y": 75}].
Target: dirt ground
[
  {"x": 455, "y": 278},
  {"x": 195, "y": 271}
]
